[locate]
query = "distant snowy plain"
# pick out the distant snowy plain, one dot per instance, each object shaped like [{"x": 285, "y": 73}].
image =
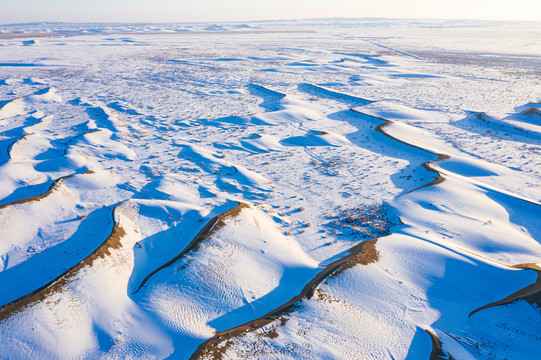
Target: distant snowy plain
[{"x": 312, "y": 189}]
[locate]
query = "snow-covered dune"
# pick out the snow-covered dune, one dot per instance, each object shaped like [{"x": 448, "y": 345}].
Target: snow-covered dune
[{"x": 315, "y": 189}]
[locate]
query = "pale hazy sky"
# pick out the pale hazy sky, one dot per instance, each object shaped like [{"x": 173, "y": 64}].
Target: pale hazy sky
[{"x": 13, "y": 11}]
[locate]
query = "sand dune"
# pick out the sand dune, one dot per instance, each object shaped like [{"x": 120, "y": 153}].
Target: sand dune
[{"x": 277, "y": 190}]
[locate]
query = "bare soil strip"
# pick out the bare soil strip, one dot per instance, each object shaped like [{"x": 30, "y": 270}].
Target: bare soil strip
[
  {"x": 214, "y": 224},
  {"x": 437, "y": 352},
  {"x": 196, "y": 32},
  {"x": 56, "y": 285},
  {"x": 29, "y": 35}
]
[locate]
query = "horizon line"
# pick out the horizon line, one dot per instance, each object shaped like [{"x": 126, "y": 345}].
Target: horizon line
[{"x": 267, "y": 20}]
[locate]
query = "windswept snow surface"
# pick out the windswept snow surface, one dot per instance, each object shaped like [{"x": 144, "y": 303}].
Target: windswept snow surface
[{"x": 315, "y": 189}]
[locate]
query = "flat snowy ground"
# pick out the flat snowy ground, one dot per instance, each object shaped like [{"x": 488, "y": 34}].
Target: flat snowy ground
[{"x": 282, "y": 190}]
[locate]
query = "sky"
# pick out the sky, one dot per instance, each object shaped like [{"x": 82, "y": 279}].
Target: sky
[{"x": 16, "y": 11}]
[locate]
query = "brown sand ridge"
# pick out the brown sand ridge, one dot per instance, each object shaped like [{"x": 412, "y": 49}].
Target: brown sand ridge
[
  {"x": 531, "y": 293},
  {"x": 426, "y": 165},
  {"x": 113, "y": 241},
  {"x": 7, "y": 36},
  {"x": 437, "y": 352},
  {"x": 381, "y": 129},
  {"x": 532, "y": 111},
  {"x": 480, "y": 116},
  {"x": 210, "y": 227},
  {"x": 364, "y": 254},
  {"x": 29, "y": 35},
  {"x": 54, "y": 186}
]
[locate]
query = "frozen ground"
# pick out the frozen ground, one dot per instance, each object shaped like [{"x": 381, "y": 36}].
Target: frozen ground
[{"x": 334, "y": 189}]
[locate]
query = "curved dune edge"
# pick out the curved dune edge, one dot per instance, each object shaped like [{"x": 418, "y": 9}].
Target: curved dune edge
[
  {"x": 21, "y": 138},
  {"x": 381, "y": 129},
  {"x": 76, "y": 137},
  {"x": 211, "y": 348},
  {"x": 530, "y": 293},
  {"x": 266, "y": 90},
  {"x": 333, "y": 94},
  {"x": 6, "y": 103},
  {"x": 54, "y": 186},
  {"x": 439, "y": 156},
  {"x": 437, "y": 352},
  {"x": 56, "y": 285},
  {"x": 10, "y": 146},
  {"x": 211, "y": 226},
  {"x": 364, "y": 254},
  {"x": 532, "y": 111}
]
